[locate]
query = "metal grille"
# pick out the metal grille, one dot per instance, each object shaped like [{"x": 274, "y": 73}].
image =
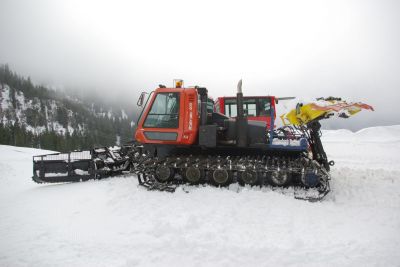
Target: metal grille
[{"x": 71, "y": 156}]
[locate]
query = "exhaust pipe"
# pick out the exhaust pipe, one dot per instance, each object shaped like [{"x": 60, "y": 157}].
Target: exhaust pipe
[{"x": 241, "y": 121}]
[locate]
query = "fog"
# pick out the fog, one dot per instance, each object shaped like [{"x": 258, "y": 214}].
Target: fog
[{"x": 116, "y": 49}]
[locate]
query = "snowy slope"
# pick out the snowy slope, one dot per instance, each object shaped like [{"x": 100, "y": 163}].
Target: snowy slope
[
  {"x": 42, "y": 111},
  {"x": 114, "y": 222}
]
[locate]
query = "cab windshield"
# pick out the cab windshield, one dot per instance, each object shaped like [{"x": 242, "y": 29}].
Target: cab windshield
[{"x": 164, "y": 113}]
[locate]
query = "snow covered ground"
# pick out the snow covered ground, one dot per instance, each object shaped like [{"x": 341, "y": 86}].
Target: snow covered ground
[{"x": 114, "y": 222}]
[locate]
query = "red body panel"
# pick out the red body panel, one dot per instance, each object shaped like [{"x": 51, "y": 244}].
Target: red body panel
[
  {"x": 219, "y": 106},
  {"x": 188, "y": 119}
]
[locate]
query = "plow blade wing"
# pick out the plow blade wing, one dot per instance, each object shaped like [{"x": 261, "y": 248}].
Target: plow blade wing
[{"x": 304, "y": 114}]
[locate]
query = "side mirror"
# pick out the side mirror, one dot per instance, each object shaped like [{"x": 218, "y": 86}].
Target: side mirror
[{"x": 141, "y": 99}]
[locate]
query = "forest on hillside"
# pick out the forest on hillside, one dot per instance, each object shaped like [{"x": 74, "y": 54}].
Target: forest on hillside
[{"x": 37, "y": 116}]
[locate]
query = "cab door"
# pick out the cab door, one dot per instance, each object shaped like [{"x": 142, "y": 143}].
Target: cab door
[{"x": 166, "y": 119}]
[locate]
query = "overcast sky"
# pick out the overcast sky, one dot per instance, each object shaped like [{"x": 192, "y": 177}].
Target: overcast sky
[{"x": 316, "y": 48}]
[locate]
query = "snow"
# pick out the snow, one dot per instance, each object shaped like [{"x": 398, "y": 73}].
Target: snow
[
  {"x": 81, "y": 172},
  {"x": 113, "y": 222},
  {"x": 371, "y": 150},
  {"x": 118, "y": 139},
  {"x": 70, "y": 129},
  {"x": 35, "y": 130},
  {"x": 288, "y": 142},
  {"x": 124, "y": 115},
  {"x": 5, "y": 98},
  {"x": 55, "y": 174}
]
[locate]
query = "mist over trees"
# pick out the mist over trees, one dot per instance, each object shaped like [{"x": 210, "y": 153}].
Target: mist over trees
[{"x": 36, "y": 116}]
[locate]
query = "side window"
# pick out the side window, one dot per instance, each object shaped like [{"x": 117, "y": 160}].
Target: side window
[
  {"x": 227, "y": 110},
  {"x": 251, "y": 109},
  {"x": 265, "y": 107},
  {"x": 210, "y": 105},
  {"x": 233, "y": 110},
  {"x": 164, "y": 113}
]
